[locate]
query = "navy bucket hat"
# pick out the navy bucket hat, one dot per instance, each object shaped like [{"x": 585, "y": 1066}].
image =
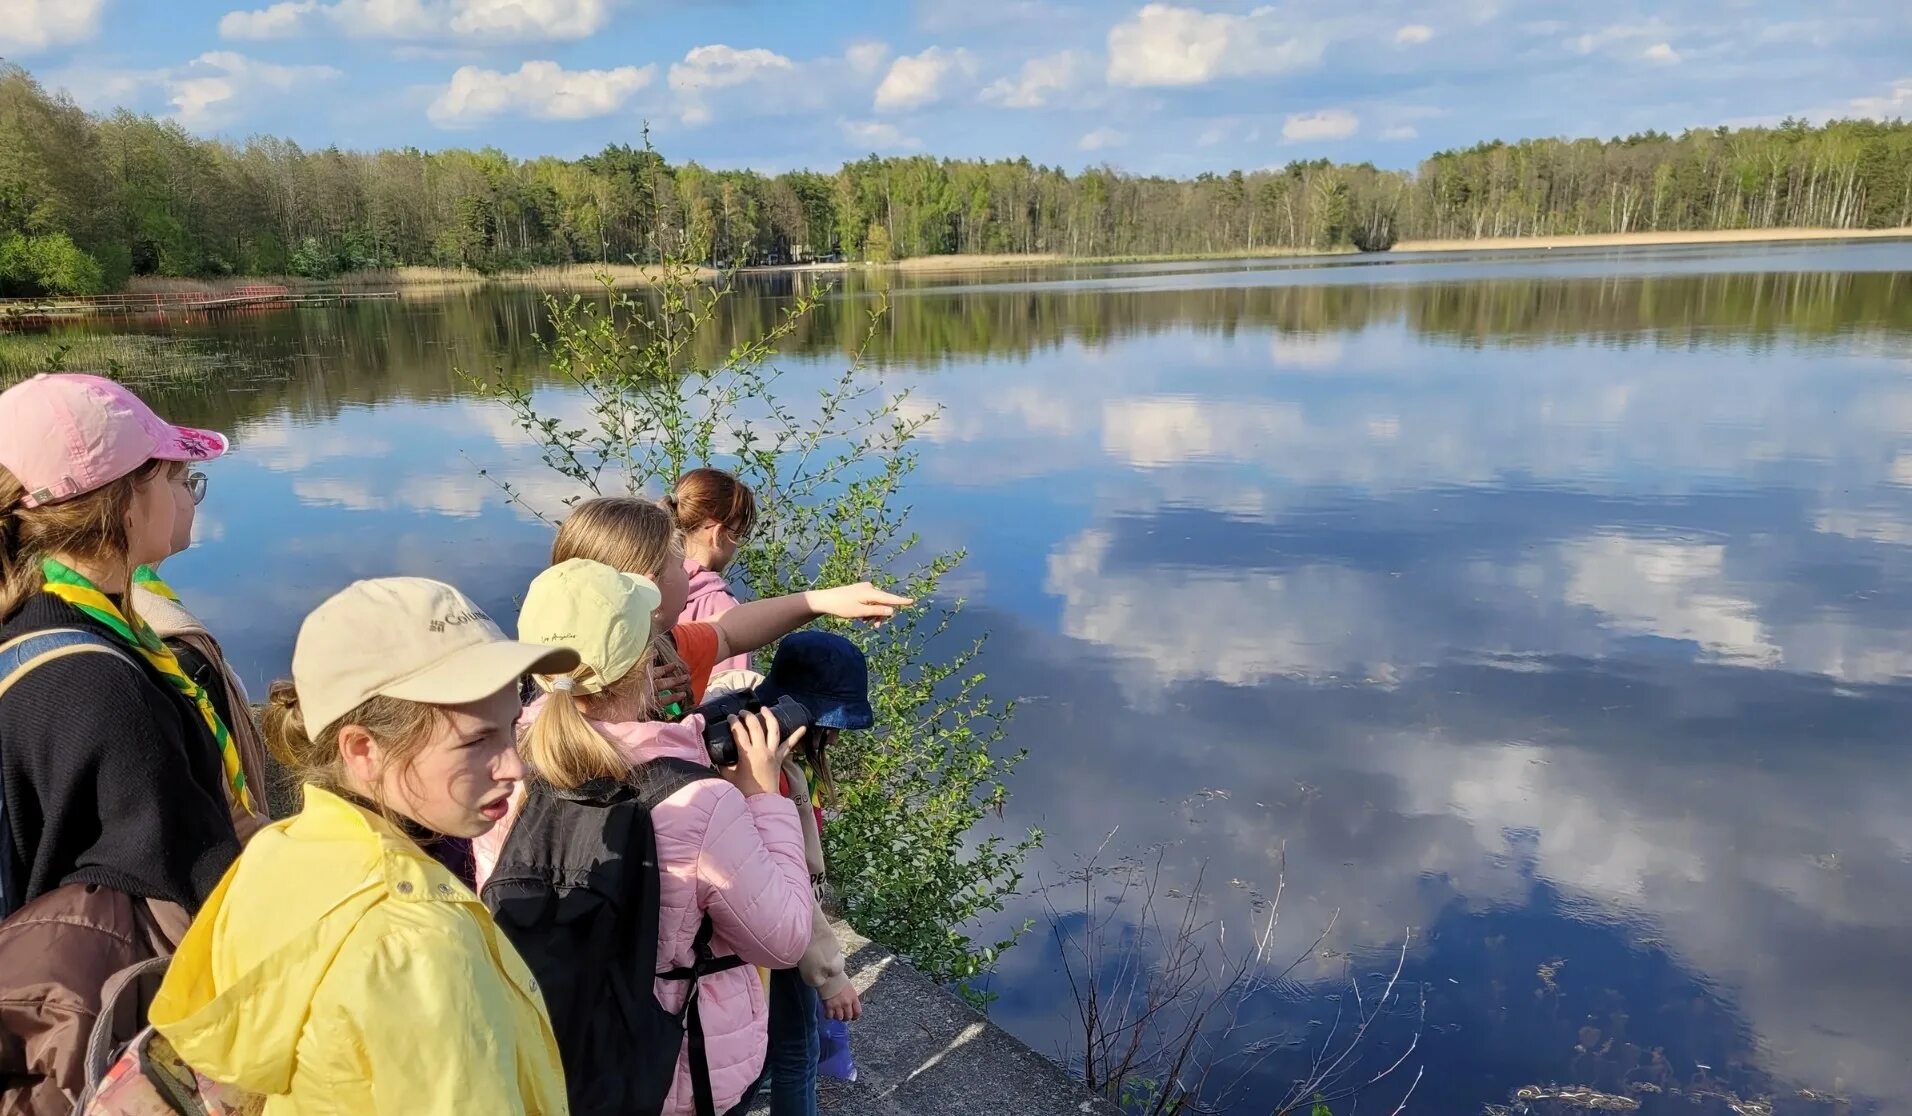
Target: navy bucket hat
[{"x": 827, "y": 673}]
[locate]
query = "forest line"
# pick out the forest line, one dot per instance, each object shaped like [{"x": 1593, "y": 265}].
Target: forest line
[{"x": 88, "y": 202}]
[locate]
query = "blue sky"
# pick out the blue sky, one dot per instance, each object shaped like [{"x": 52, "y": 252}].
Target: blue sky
[{"x": 1170, "y": 88}]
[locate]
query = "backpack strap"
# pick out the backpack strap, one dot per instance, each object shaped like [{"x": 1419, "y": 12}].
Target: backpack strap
[
  {"x": 99, "y": 1045},
  {"x": 18, "y": 657},
  {"x": 21, "y": 655},
  {"x": 702, "y": 965},
  {"x": 657, "y": 781}
]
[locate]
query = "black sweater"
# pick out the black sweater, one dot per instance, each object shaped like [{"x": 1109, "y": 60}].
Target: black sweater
[{"x": 110, "y": 775}]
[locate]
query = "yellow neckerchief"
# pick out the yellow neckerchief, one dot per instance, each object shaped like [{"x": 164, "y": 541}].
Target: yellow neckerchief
[{"x": 76, "y": 590}]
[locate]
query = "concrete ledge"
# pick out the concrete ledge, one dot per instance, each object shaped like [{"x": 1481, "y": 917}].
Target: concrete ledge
[{"x": 921, "y": 1051}]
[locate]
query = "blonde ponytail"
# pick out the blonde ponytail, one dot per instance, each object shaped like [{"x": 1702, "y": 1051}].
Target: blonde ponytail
[{"x": 563, "y": 748}]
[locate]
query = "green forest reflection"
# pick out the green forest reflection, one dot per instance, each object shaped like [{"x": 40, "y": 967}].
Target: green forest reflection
[{"x": 316, "y": 361}]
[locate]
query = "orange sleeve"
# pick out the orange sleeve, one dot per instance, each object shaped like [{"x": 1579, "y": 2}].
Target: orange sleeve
[{"x": 697, "y": 646}]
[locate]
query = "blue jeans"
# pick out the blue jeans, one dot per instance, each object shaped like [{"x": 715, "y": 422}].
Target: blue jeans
[{"x": 790, "y": 1064}]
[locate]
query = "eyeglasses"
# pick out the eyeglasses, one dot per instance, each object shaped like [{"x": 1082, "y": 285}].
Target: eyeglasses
[{"x": 196, "y": 484}]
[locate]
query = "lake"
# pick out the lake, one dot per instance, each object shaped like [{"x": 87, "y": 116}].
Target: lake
[{"x": 1549, "y": 614}]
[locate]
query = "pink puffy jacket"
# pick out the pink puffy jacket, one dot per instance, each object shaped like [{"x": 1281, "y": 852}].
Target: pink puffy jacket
[
  {"x": 710, "y": 597},
  {"x": 742, "y": 861}
]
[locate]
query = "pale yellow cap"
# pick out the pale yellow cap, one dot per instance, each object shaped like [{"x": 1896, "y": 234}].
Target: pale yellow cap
[
  {"x": 601, "y": 613},
  {"x": 409, "y": 638}
]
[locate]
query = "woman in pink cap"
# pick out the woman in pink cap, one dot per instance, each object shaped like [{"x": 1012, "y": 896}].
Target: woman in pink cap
[{"x": 116, "y": 767}]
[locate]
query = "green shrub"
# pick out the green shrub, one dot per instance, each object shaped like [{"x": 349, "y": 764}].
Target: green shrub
[
  {"x": 904, "y": 859},
  {"x": 46, "y": 265}
]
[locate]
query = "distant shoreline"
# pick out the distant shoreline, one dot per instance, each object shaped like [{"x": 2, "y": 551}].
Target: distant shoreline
[
  {"x": 586, "y": 276},
  {"x": 1647, "y": 239},
  {"x": 1484, "y": 244}
]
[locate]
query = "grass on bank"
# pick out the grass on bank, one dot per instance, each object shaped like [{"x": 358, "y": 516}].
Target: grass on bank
[
  {"x": 132, "y": 359},
  {"x": 403, "y": 279}
]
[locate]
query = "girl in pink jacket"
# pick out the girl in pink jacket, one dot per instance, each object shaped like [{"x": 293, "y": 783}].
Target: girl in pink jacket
[
  {"x": 715, "y": 514},
  {"x": 729, "y": 849}
]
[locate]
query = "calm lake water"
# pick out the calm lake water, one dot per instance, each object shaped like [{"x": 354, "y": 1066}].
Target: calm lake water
[{"x": 1549, "y": 614}]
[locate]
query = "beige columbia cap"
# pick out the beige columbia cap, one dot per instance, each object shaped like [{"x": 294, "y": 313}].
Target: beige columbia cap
[
  {"x": 601, "y": 613},
  {"x": 409, "y": 638}
]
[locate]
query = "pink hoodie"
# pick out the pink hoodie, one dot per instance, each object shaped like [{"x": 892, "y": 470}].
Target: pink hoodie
[
  {"x": 710, "y": 597},
  {"x": 741, "y": 860}
]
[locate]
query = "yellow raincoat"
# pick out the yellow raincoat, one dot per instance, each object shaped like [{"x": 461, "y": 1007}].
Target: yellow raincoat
[{"x": 339, "y": 969}]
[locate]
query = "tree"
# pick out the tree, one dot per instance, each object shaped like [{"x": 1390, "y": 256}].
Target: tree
[
  {"x": 876, "y": 244},
  {"x": 46, "y": 265}
]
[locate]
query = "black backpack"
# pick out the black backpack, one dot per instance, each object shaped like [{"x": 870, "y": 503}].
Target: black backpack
[{"x": 576, "y": 891}]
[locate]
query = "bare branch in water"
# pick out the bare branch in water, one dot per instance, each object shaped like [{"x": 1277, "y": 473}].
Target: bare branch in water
[{"x": 1166, "y": 1013}]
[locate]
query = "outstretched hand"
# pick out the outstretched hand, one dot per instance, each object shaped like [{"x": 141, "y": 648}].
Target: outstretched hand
[{"x": 862, "y": 601}]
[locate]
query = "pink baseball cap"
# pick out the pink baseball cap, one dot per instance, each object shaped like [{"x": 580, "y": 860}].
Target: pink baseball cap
[{"x": 63, "y": 435}]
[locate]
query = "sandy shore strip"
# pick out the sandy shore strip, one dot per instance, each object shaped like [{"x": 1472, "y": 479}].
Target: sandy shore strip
[
  {"x": 980, "y": 261},
  {"x": 1647, "y": 239}
]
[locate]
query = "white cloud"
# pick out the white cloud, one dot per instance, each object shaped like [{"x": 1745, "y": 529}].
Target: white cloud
[
  {"x": 1328, "y": 124},
  {"x": 1102, "y": 139},
  {"x": 1896, "y": 103},
  {"x": 866, "y": 59},
  {"x": 388, "y": 19},
  {"x": 877, "y": 135},
  {"x": 1400, "y": 132},
  {"x": 1615, "y": 34},
  {"x": 1239, "y": 627},
  {"x": 1662, "y": 53},
  {"x": 460, "y": 496},
  {"x": 283, "y": 447},
  {"x": 530, "y": 19},
  {"x": 1413, "y": 34},
  {"x": 541, "y": 90},
  {"x": 1667, "y": 588},
  {"x": 280, "y": 21},
  {"x": 31, "y": 25},
  {"x": 337, "y": 492},
  {"x": 422, "y": 19},
  {"x": 1041, "y": 79},
  {"x": 1307, "y": 350},
  {"x": 709, "y": 68},
  {"x": 208, "y": 91},
  {"x": 917, "y": 80},
  {"x": 1159, "y": 431},
  {"x": 1166, "y": 45}
]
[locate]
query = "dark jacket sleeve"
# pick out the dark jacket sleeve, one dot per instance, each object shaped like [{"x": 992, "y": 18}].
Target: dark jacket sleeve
[{"x": 106, "y": 786}]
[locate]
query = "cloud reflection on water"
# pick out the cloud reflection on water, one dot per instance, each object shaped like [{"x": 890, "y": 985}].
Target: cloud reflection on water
[{"x": 1537, "y": 627}]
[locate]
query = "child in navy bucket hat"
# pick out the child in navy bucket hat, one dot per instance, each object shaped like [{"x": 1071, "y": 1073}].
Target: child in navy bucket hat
[
  {"x": 827, "y": 674},
  {"x": 812, "y": 1005}
]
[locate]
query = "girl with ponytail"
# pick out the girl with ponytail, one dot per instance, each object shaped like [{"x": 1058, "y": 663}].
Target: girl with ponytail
[
  {"x": 715, "y": 515},
  {"x": 732, "y": 876}
]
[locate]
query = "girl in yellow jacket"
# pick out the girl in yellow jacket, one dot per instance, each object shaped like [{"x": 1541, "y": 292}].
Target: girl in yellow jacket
[{"x": 340, "y": 968}]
